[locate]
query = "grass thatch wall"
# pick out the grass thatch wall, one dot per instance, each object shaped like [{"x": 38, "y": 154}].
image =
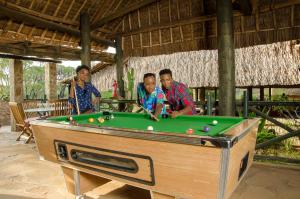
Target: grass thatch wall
[{"x": 264, "y": 65}]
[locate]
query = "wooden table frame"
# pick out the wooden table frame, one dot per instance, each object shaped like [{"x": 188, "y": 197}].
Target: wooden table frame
[{"x": 208, "y": 167}]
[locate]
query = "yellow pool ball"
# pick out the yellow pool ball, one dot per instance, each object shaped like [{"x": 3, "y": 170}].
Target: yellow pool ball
[
  {"x": 91, "y": 120},
  {"x": 101, "y": 120}
]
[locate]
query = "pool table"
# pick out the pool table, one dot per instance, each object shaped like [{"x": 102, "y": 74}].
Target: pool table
[{"x": 166, "y": 160}]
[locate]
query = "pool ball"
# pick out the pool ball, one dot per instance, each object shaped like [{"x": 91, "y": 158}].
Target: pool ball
[
  {"x": 91, "y": 120},
  {"x": 206, "y": 129},
  {"x": 107, "y": 117},
  {"x": 190, "y": 131},
  {"x": 100, "y": 119},
  {"x": 215, "y": 122},
  {"x": 73, "y": 122},
  {"x": 112, "y": 117},
  {"x": 164, "y": 115},
  {"x": 150, "y": 128}
]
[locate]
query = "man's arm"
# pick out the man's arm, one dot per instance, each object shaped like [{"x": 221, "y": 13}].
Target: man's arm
[
  {"x": 97, "y": 95},
  {"x": 159, "y": 102},
  {"x": 71, "y": 99},
  {"x": 185, "y": 99},
  {"x": 158, "y": 109}
]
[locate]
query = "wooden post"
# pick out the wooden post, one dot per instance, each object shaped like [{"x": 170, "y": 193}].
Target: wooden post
[
  {"x": 261, "y": 93},
  {"x": 120, "y": 75},
  {"x": 216, "y": 93},
  {"x": 16, "y": 85},
  {"x": 50, "y": 81},
  {"x": 202, "y": 94},
  {"x": 226, "y": 57},
  {"x": 197, "y": 94},
  {"x": 250, "y": 93},
  {"x": 85, "y": 39},
  {"x": 270, "y": 93}
]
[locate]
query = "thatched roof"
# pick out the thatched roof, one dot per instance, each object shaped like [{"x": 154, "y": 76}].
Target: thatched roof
[
  {"x": 273, "y": 65},
  {"x": 180, "y": 25},
  {"x": 148, "y": 27}
]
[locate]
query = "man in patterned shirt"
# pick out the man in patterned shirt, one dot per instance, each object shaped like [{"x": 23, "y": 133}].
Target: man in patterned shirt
[
  {"x": 177, "y": 94},
  {"x": 150, "y": 96},
  {"x": 84, "y": 91}
]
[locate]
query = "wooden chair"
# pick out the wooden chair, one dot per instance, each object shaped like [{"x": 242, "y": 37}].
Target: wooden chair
[
  {"x": 21, "y": 120},
  {"x": 61, "y": 107},
  {"x": 29, "y": 104}
]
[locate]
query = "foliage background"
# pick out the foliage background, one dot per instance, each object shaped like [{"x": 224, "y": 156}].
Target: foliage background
[{"x": 33, "y": 79}]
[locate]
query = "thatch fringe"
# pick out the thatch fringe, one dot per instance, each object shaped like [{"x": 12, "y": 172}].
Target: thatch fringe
[{"x": 265, "y": 65}]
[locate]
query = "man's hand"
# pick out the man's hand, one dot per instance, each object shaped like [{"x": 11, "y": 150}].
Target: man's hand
[
  {"x": 154, "y": 117},
  {"x": 72, "y": 88},
  {"x": 96, "y": 100},
  {"x": 73, "y": 83},
  {"x": 175, "y": 114}
]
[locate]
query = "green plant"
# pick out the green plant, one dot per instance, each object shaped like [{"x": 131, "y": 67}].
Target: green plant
[
  {"x": 288, "y": 145},
  {"x": 262, "y": 123},
  {"x": 106, "y": 94},
  {"x": 251, "y": 114},
  {"x": 130, "y": 82},
  {"x": 264, "y": 135}
]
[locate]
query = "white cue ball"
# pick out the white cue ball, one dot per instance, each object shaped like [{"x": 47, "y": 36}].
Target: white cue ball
[
  {"x": 150, "y": 128},
  {"x": 215, "y": 122}
]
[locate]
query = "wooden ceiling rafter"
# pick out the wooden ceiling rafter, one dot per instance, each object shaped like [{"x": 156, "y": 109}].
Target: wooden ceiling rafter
[
  {"x": 79, "y": 10},
  {"x": 53, "y": 52},
  {"x": 69, "y": 9},
  {"x": 121, "y": 13},
  {"x": 100, "y": 15},
  {"x": 58, "y": 8},
  {"x": 9, "y": 56},
  {"x": 46, "y": 6},
  {"x": 47, "y": 24},
  {"x": 39, "y": 14}
]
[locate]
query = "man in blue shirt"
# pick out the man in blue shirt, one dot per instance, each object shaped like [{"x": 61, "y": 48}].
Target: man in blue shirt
[
  {"x": 84, "y": 91},
  {"x": 150, "y": 96}
]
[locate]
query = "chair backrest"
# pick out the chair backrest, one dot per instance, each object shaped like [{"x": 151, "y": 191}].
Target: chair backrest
[
  {"x": 18, "y": 112},
  {"x": 29, "y": 104},
  {"x": 61, "y": 107}
]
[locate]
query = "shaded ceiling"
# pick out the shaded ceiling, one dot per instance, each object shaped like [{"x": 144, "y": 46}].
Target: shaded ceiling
[{"x": 47, "y": 28}]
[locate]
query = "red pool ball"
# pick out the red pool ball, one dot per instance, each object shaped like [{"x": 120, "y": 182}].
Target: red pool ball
[{"x": 190, "y": 131}]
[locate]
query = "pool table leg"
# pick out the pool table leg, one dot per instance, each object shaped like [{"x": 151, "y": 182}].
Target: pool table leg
[
  {"x": 155, "y": 195},
  {"x": 79, "y": 183}
]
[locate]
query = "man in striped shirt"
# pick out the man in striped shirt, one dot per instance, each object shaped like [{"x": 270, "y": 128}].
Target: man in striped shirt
[{"x": 177, "y": 94}]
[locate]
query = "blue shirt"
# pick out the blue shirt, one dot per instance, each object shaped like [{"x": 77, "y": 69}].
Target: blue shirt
[
  {"x": 150, "y": 101},
  {"x": 84, "y": 96}
]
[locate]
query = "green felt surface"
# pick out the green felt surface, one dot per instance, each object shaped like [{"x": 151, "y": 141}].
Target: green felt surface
[{"x": 141, "y": 122}]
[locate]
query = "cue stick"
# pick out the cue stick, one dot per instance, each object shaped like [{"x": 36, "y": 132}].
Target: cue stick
[
  {"x": 153, "y": 116},
  {"x": 76, "y": 98}
]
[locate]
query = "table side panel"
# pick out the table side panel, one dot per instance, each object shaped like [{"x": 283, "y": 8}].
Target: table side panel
[
  {"x": 242, "y": 150},
  {"x": 186, "y": 171}
]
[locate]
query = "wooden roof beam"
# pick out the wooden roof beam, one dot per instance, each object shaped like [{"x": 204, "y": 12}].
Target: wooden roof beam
[
  {"x": 39, "y": 14},
  {"x": 7, "y": 56},
  {"x": 149, "y": 28},
  {"x": 192, "y": 20},
  {"x": 29, "y": 19},
  {"x": 53, "y": 53},
  {"x": 121, "y": 13}
]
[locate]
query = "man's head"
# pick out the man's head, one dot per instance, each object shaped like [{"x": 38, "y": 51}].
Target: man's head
[
  {"x": 166, "y": 78},
  {"x": 83, "y": 73},
  {"x": 149, "y": 82}
]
